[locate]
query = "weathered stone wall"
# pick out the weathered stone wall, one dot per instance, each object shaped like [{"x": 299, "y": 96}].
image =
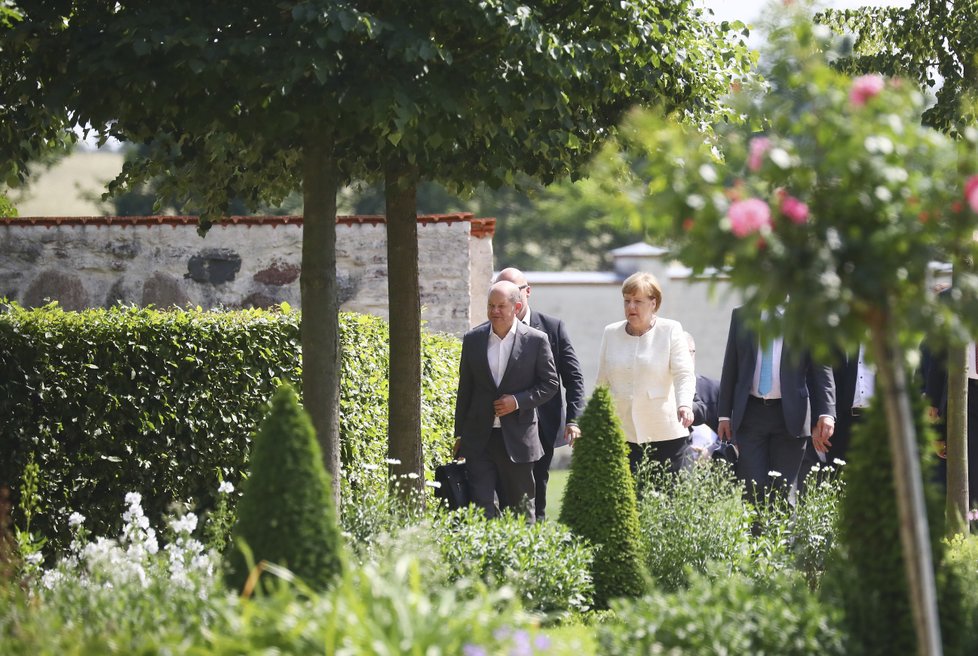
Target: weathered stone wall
[{"x": 252, "y": 262}]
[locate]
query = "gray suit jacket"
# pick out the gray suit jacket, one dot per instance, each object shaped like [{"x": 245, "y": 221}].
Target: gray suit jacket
[
  {"x": 531, "y": 377},
  {"x": 807, "y": 389}
]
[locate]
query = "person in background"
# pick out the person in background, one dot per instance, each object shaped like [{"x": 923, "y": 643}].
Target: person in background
[
  {"x": 703, "y": 433},
  {"x": 769, "y": 394},
  {"x": 646, "y": 365},
  {"x": 506, "y": 372},
  {"x": 558, "y": 416}
]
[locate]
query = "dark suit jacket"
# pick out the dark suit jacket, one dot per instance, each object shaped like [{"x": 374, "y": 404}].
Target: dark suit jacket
[
  {"x": 705, "y": 402},
  {"x": 530, "y": 376},
  {"x": 555, "y": 412},
  {"x": 802, "y": 382}
]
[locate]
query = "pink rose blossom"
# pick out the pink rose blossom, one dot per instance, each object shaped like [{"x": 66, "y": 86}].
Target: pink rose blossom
[
  {"x": 971, "y": 192},
  {"x": 747, "y": 216},
  {"x": 757, "y": 147},
  {"x": 864, "y": 88},
  {"x": 794, "y": 209}
]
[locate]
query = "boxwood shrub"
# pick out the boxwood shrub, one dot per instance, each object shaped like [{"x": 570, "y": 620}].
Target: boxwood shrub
[{"x": 109, "y": 401}]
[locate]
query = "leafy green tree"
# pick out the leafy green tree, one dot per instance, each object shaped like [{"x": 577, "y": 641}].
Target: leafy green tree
[
  {"x": 841, "y": 204},
  {"x": 251, "y": 101},
  {"x": 931, "y": 41},
  {"x": 543, "y": 88},
  {"x": 599, "y": 503},
  {"x": 935, "y": 43},
  {"x": 286, "y": 514}
]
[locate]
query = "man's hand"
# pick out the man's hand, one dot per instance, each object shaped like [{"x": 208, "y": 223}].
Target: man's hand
[
  {"x": 723, "y": 430},
  {"x": 822, "y": 434},
  {"x": 571, "y": 433},
  {"x": 504, "y": 405},
  {"x": 685, "y": 415}
]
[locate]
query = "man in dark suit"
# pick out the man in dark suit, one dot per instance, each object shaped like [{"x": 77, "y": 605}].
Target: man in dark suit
[
  {"x": 506, "y": 372},
  {"x": 558, "y": 416},
  {"x": 854, "y": 387},
  {"x": 934, "y": 372},
  {"x": 768, "y": 395},
  {"x": 703, "y": 431}
]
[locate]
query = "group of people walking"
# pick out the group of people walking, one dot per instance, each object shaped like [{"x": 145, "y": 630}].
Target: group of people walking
[{"x": 782, "y": 410}]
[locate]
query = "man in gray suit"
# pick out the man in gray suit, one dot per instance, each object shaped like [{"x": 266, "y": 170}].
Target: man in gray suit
[
  {"x": 558, "y": 419},
  {"x": 769, "y": 395},
  {"x": 506, "y": 371}
]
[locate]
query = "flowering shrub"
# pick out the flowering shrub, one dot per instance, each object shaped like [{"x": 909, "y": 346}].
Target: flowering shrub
[
  {"x": 831, "y": 191},
  {"x": 117, "y": 595}
]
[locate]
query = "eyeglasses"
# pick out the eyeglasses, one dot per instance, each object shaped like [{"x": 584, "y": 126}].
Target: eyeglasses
[{"x": 522, "y": 287}]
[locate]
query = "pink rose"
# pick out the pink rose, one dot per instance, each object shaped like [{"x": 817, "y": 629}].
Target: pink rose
[
  {"x": 971, "y": 192},
  {"x": 747, "y": 216},
  {"x": 794, "y": 209},
  {"x": 757, "y": 147},
  {"x": 864, "y": 88}
]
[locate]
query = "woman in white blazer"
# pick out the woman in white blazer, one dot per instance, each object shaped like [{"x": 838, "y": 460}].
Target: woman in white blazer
[{"x": 646, "y": 365}]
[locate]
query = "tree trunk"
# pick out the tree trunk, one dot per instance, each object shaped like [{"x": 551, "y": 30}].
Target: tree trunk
[
  {"x": 957, "y": 441},
  {"x": 404, "y": 401},
  {"x": 907, "y": 481},
  {"x": 320, "y": 314}
]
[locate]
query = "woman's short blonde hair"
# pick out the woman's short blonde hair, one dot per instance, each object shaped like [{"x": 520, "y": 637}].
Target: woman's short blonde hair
[{"x": 643, "y": 284}]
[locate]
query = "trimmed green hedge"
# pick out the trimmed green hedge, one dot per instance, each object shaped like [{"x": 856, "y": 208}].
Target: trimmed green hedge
[{"x": 165, "y": 403}]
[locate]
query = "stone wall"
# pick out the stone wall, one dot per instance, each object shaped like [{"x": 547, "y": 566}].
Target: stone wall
[{"x": 247, "y": 262}]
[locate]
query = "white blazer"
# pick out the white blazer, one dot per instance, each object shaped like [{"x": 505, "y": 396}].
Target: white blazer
[{"x": 649, "y": 378}]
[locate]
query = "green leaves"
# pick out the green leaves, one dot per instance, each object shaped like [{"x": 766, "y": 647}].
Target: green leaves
[{"x": 164, "y": 403}]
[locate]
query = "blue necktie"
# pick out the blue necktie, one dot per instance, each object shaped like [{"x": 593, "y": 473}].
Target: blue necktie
[{"x": 767, "y": 365}]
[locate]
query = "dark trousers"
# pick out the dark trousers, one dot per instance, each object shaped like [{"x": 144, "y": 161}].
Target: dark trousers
[
  {"x": 674, "y": 454},
  {"x": 541, "y": 476},
  {"x": 494, "y": 470},
  {"x": 766, "y": 446}
]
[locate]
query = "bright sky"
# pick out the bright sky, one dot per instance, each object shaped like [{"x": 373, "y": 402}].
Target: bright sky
[{"x": 750, "y": 10}]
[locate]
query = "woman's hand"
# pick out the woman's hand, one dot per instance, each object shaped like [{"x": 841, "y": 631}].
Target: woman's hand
[{"x": 685, "y": 416}]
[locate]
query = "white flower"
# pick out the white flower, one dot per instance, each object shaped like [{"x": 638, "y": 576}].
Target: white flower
[
  {"x": 185, "y": 524},
  {"x": 780, "y": 157},
  {"x": 392, "y": 461},
  {"x": 225, "y": 487},
  {"x": 839, "y": 461},
  {"x": 774, "y": 474},
  {"x": 708, "y": 173},
  {"x": 134, "y": 498},
  {"x": 434, "y": 484},
  {"x": 412, "y": 475},
  {"x": 76, "y": 519},
  {"x": 35, "y": 558}
]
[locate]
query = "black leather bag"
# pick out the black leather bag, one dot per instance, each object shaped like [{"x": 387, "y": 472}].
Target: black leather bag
[{"x": 454, "y": 484}]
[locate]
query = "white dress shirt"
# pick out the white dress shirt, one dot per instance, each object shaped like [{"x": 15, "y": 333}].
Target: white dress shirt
[{"x": 498, "y": 352}]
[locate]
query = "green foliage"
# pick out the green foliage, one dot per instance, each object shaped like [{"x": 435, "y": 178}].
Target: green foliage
[
  {"x": 727, "y": 615},
  {"x": 114, "y": 595},
  {"x": 547, "y": 566},
  {"x": 690, "y": 519},
  {"x": 599, "y": 503},
  {"x": 111, "y": 598},
  {"x": 286, "y": 514},
  {"x": 961, "y": 561},
  {"x": 698, "y": 520},
  {"x": 6, "y": 207},
  {"x": 853, "y": 198},
  {"x": 867, "y": 574},
  {"x": 112, "y": 401},
  {"x": 933, "y": 43}
]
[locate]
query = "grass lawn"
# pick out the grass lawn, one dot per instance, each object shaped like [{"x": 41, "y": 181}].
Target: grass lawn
[{"x": 555, "y": 491}]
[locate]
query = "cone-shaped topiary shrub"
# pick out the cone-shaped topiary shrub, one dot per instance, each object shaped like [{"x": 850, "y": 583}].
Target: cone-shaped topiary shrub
[
  {"x": 599, "y": 503},
  {"x": 286, "y": 514}
]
